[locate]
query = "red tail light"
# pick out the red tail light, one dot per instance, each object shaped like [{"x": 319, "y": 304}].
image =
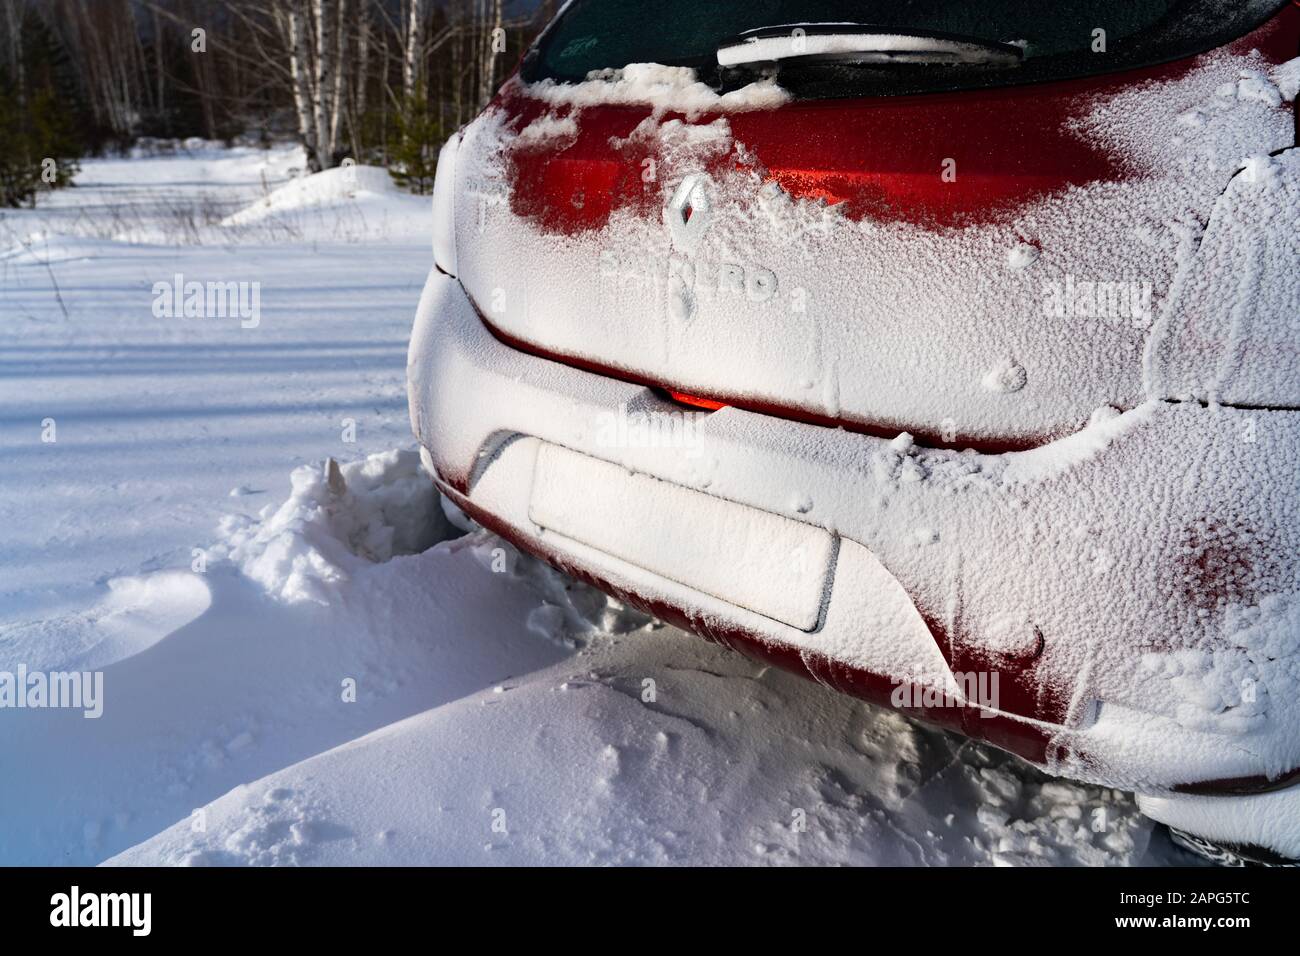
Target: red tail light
[{"x": 695, "y": 401}]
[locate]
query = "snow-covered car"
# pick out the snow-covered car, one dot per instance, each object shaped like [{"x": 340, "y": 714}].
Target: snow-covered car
[{"x": 945, "y": 352}]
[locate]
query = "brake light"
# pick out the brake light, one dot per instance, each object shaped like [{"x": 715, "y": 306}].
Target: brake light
[{"x": 695, "y": 401}]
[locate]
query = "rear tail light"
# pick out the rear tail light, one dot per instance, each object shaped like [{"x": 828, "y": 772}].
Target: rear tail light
[{"x": 695, "y": 401}]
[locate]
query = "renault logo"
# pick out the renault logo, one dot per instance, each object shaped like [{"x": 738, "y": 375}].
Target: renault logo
[{"x": 688, "y": 213}]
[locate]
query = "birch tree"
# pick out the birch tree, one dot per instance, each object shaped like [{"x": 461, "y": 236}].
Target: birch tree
[
  {"x": 295, "y": 25},
  {"x": 414, "y": 49},
  {"x": 365, "y": 73},
  {"x": 488, "y": 51},
  {"x": 323, "y": 79}
]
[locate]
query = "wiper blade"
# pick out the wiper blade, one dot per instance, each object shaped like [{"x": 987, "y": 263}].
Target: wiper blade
[{"x": 861, "y": 43}]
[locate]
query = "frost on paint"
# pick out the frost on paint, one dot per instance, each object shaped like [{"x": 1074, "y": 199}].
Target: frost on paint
[
  {"x": 1231, "y": 329},
  {"x": 1050, "y": 329},
  {"x": 885, "y": 321}
]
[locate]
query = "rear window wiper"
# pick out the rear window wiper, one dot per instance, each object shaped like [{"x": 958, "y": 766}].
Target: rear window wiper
[{"x": 857, "y": 43}]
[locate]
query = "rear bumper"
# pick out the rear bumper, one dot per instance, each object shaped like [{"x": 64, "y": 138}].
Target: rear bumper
[
  {"x": 1270, "y": 821},
  {"x": 1117, "y": 607}
]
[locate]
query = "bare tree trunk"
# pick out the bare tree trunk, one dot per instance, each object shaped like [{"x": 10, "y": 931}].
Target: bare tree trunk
[
  {"x": 14, "y": 10},
  {"x": 131, "y": 92},
  {"x": 139, "y": 66},
  {"x": 298, "y": 67},
  {"x": 357, "y": 107},
  {"x": 456, "y": 66},
  {"x": 412, "y": 65},
  {"x": 101, "y": 38},
  {"x": 320, "y": 58},
  {"x": 160, "y": 102},
  {"x": 99, "y": 81},
  {"x": 488, "y": 65},
  {"x": 384, "y": 100},
  {"x": 363, "y": 56},
  {"x": 336, "y": 94},
  {"x": 323, "y": 81}
]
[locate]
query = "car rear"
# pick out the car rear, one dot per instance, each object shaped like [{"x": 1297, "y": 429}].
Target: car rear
[{"x": 967, "y": 387}]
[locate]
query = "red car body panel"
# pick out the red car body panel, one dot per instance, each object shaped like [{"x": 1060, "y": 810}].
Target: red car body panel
[
  {"x": 878, "y": 159},
  {"x": 877, "y": 156}
]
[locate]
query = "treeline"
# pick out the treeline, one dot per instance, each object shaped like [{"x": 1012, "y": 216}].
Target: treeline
[
  {"x": 42, "y": 118},
  {"x": 380, "y": 81}
]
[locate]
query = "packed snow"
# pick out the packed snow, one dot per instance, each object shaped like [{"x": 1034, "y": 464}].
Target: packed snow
[
  {"x": 353, "y": 203},
  {"x": 666, "y": 89},
  {"x": 302, "y": 665}
]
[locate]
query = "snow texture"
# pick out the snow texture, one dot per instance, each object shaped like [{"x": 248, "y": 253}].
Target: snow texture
[
  {"x": 484, "y": 681},
  {"x": 1143, "y": 524},
  {"x": 1091, "y": 292},
  {"x": 674, "y": 89}
]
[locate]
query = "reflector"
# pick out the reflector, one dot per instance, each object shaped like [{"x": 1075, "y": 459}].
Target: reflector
[{"x": 695, "y": 401}]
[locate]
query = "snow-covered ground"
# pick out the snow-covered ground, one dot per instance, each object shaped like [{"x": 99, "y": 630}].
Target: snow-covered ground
[{"x": 295, "y": 672}]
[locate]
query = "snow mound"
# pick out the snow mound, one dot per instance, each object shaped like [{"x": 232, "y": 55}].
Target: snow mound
[
  {"x": 337, "y": 518},
  {"x": 657, "y": 750},
  {"x": 325, "y": 188},
  {"x": 418, "y": 719},
  {"x": 352, "y": 202},
  {"x": 137, "y": 612},
  {"x": 141, "y": 610}
]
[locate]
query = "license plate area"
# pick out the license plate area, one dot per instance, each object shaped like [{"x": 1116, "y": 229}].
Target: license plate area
[{"x": 766, "y": 563}]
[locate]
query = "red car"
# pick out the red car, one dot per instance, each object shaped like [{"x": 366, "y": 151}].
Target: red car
[{"x": 945, "y": 352}]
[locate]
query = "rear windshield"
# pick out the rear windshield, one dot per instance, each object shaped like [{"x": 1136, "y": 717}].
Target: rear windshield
[{"x": 1060, "y": 38}]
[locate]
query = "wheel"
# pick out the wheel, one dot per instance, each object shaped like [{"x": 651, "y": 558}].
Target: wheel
[{"x": 1225, "y": 854}]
